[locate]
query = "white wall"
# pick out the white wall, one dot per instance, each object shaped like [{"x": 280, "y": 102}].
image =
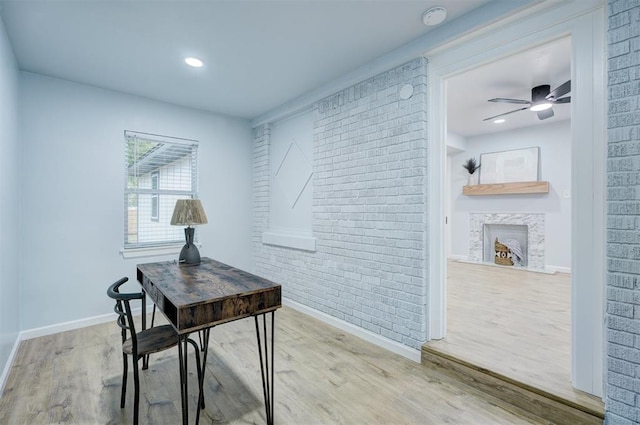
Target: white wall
[
  {"x": 9, "y": 217},
  {"x": 455, "y": 144},
  {"x": 72, "y": 178},
  {"x": 554, "y": 141}
]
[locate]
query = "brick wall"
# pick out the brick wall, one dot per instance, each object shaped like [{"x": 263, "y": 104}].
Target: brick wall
[
  {"x": 369, "y": 209},
  {"x": 261, "y": 190},
  {"x": 623, "y": 215}
]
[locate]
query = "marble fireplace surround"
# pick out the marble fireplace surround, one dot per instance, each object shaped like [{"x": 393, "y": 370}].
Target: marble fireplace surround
[{"x": 535, "y": 235}]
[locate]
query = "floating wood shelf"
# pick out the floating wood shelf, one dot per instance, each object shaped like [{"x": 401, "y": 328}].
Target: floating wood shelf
[{"x": 506, "y": 188}]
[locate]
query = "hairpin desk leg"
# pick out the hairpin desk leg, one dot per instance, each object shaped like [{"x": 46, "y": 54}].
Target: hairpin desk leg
[
  {"x": 182, "y": 359},
  {"x": 205, "y": 347},
  {"x": 265, "y": 351}
]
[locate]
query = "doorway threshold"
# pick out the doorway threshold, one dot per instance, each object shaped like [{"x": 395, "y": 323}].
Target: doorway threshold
[
  {"x": 522, "y": 398},
  {"x": 509, "y": 331}
]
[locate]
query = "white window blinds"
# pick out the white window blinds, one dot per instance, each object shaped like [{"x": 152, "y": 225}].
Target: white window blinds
[{"x": 159, "y": 170}]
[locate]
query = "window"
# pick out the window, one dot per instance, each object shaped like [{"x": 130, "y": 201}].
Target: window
[{"x": 159, "y": 170}]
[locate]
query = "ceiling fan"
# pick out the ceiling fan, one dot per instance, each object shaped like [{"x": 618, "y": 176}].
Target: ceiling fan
[{"x": 542, "y": 100}]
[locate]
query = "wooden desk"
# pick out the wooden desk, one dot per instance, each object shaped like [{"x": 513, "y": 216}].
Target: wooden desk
[{"x": 195, "y": 298}]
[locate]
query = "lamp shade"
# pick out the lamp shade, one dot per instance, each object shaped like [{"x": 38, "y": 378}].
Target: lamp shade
[{"x": 188, "y": 212}]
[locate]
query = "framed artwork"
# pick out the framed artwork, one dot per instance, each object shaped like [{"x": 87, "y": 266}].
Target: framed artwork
[{"x": 518, "y": 165}]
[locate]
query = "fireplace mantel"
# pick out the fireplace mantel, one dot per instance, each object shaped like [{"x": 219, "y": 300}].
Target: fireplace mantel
[{"x": 506, "y": 188}]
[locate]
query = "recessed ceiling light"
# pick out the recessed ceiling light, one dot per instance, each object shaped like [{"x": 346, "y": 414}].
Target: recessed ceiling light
[
  {"x": 434, "y": 16},
  {"x": 194, "y": 62},
  {"x": 499, "y": 121},
  {"x": 540, "y": 106}
]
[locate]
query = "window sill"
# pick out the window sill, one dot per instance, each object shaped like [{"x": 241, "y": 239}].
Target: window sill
[
  {"x": 152, "y": 251},
  {"x": 301, "y": 241}
]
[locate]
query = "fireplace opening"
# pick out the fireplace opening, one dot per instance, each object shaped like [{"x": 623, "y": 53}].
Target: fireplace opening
[{"x": 505, "y": 244}]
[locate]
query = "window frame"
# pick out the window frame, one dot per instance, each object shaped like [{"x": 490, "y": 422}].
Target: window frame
[{"x": 187, "y": 149}]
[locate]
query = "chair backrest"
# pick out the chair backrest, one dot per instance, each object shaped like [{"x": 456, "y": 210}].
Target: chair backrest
[{"x": 123, "y": 309}]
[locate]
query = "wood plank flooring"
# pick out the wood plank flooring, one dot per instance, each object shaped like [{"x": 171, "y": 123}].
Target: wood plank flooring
[
  {"x": 514, "y": 323},
  {"x": 322, "y": 376}
]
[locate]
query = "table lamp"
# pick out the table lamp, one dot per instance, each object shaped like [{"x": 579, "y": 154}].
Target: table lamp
[{"x": 189, "y": 212}]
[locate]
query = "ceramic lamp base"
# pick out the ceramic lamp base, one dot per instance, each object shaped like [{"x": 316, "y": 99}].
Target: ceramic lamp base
[{"x": 189, "y": 255}]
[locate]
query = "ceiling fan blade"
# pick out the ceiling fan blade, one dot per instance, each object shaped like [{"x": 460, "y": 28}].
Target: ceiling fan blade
[
  {"x": 504, "y": 100},
  {"x": 506, "y": 113},
  {"x": 562, "y": 100},
  {"x": 560, "y": 91},
  {"x": 547, "y": 113}
]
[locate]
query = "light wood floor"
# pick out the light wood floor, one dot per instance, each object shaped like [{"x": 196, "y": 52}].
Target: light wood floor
[
  {"x": 515, "y": 323},
  {"x": 323, "y": 376}
]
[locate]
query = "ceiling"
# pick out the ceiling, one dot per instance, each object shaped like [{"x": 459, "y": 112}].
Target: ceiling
[
  {"x": 511, "y": 77},
  {"x": 258, "y": 54},
  {"x": 261, "y": 54}
]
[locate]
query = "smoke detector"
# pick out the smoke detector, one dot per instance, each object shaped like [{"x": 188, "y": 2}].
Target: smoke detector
[{"x": 434, "y": 16}]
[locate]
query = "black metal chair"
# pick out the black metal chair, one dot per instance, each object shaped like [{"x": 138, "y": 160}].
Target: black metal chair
[{"x": 140, "y": 344}]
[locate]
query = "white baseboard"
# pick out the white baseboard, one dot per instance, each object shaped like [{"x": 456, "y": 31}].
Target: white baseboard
[
  {"x": 75, "y": 324},
  {"x": 66, "y": 326},
  {"x": 9, "y": 363},
  {"x": 457, "y": 257},
  {"x": 393, "y": 346},
  {"x": 550, "y": 269},
  {"x": 559, "y": 269}
]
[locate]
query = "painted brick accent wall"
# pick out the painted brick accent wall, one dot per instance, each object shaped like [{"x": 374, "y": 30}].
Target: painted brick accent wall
[
  {"x": 261, "y": 192},
  {"x": 369, "y": 209},
  {"x": 623, "y": 215}
]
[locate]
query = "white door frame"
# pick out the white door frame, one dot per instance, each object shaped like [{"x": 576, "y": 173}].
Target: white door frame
[{"x": 584, "y": 21}]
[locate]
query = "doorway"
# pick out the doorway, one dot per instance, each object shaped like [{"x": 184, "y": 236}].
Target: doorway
[
  {"x": 522, "y": 310},
  {"x": 536, "y": 28}
]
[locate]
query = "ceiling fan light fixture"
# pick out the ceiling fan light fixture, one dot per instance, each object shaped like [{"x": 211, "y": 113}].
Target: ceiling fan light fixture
[{"x": 541, "y": 106}]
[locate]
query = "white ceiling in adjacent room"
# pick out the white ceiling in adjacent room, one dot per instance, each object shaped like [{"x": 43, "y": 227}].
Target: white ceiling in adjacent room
[{"x": 511, "y": 77}]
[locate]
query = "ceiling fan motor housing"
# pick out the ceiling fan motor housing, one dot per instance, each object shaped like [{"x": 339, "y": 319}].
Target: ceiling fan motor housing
[{"x": 540, "y": 93}]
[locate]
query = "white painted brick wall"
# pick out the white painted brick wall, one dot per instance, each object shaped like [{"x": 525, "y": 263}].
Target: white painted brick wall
[
  {"x": 623, "y": 215},
  {"x": 261, "y": 187},
  {"x": 369, "y": 209}
]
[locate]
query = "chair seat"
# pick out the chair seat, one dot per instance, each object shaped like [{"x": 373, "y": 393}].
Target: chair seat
[{"x": 153, "y": 340}]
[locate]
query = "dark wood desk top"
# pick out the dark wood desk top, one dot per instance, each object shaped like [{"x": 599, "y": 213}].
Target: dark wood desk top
[{"x": 211, "y": 293}]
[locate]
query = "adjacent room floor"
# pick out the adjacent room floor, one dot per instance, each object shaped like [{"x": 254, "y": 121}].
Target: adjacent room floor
[
  {"x": 512, "y": 322},
  {"x": 323, "y": 376}
]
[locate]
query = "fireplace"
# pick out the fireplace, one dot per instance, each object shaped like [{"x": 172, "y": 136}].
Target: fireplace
[
  {"x": 525, "y": 230},
  {"x": 514, "y": 236}
]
